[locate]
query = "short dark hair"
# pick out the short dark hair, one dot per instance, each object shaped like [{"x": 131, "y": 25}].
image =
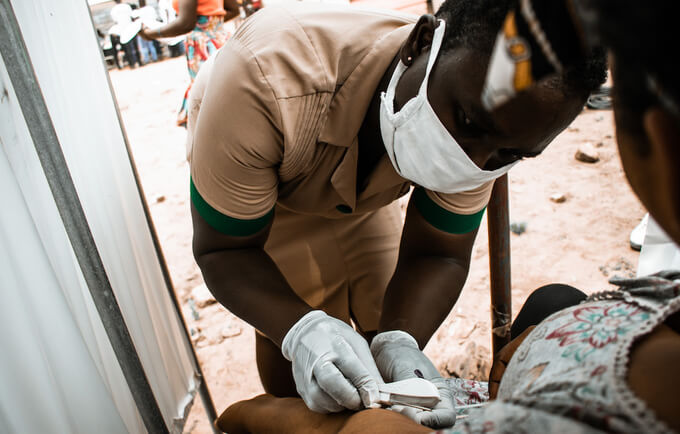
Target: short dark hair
[{"x": 475, "y": 24}]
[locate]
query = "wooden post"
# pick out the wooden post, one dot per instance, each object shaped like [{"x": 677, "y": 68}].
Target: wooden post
[{"x": 499, "y": 265}]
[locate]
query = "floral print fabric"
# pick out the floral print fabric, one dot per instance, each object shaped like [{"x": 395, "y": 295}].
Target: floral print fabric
[
  {"x": 569, "y": 374},
  {"x": 468, "y": 394},
  {"x": 593, "y": 327},
  {"x": 207, "y": 37}
]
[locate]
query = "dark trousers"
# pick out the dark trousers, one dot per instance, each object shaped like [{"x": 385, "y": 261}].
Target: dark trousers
[
  {"x": 176, "y": 50},
  {"x": 113, "y": 53},
  {"x": 131, "y": 54}
]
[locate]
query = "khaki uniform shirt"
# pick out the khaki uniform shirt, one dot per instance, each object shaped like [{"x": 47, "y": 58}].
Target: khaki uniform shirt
[{"x": 274, "y": 118}]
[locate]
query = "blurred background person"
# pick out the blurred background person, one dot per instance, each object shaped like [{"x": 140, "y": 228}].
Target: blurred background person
[
  {"x": 166, "y": 14},
  {"x": 125, "y": 31},
  {"x": 204, "y": 20},
  {"x": 148, "y": 16},
  {"x": 251, "y": 6},
  {"x": 108, "y": 48}
]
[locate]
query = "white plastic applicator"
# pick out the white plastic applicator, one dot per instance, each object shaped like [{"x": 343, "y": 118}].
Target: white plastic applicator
[{"x": 413, "y": 392}]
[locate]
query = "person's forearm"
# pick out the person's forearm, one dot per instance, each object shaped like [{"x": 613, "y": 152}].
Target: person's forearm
[
  {"x": 185, "y": 22},
  {"x": 175, "y": 28},
  {"x": 231, "y": 15},
  {"x": 421, "y": 294},
  {"x": 232, "y": 8},
  {"x": 250, "y": 285}
]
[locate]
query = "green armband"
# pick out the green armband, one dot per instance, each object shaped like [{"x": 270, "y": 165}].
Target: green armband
[
  {"x": 225, "y": 224},
  {"x": 443, "y": 219}
]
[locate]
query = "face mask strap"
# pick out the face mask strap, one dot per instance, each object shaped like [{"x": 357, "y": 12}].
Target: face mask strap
[
  {"x": 392, "y": 86},
  {"x": 434, "y": 52}
]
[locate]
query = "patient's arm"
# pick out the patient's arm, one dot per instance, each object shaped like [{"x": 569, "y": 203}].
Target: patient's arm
[
  {"x": 501, "y": 362},
  {"x": 653, "y": 373},
  {"x": 268, "y": 414},
  {"x": 381, "y": 421}
]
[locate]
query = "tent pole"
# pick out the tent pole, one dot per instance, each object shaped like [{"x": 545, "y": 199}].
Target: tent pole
[
  {"x": 48, "y": 149},
  {"x": 499, "y": 265}
]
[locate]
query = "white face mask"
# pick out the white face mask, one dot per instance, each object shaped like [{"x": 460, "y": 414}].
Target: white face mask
[{"x": 419, "y": 146}]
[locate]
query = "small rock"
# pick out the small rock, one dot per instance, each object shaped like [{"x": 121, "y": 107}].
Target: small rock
[
  {"x": 586, "y": 153},
  {"x": 518, "y": 227},
  {"x": 573, "y": 129},
  {"x": 558, "y": 198},
  {"x": 202, "y": 343},
  {"x": 230, "y": 331},
  {"x": 198, "y": 337},
  {"x": 599, "y": 119},
  {"x": 215, "y": 340},
  {"x": 202, "y": 296},
  {"x": 194, "y": 312},
  {"x": 608, "y": 136},
  {"x": 603, "y": 270},
  {"x": 159, "y": 198},
  {"x": 599, "y": 144},
  {"x": 469, "y": 362},
  {"x": 466, "y": 334}
]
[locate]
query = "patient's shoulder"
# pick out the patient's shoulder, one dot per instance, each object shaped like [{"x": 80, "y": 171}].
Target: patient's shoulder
[{"x": 653, "y": 373}]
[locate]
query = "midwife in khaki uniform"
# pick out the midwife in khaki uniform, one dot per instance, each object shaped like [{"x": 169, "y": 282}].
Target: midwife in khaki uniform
[{"x": 297, "y": 161}]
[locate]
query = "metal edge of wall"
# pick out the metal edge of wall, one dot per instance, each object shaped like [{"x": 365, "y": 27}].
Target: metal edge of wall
[{"x": 203, "y": 390}]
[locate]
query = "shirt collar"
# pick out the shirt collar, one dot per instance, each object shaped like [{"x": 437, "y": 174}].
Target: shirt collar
[{"x": 350, "y": 103}]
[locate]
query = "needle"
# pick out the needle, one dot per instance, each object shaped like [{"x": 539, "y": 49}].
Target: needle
[{"x": 406, "y": 404}]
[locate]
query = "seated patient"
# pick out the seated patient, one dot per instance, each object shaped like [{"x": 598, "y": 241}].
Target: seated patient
[{"x": 610, "y": 363}]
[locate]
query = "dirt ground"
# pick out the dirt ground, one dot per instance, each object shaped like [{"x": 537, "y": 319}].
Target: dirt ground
[{"x": 581, "y": 241}]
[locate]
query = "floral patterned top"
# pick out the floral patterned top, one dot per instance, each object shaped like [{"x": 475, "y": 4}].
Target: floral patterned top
[{"x": 569, "y": 374}]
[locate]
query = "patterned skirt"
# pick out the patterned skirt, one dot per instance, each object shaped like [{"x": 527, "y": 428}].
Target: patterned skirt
[{"x": 206, "y": 38}]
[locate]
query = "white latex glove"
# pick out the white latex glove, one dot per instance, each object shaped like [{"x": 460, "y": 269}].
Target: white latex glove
[
  {"x": 332, "y": 364},
  {"x": 398, "y": 357}
]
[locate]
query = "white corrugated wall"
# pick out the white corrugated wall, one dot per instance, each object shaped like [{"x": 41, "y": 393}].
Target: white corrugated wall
[{"x": 58, "y": 372}]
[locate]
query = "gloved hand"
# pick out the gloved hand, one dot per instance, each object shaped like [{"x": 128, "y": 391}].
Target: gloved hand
[
  {"x": 332, "y": 364},
  {"x": 398, "y": 358}
]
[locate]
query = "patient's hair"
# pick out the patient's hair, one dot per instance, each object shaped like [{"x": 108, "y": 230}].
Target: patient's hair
[
  {"x": 475, "y": 24},
  {"x": 643, "y": 37}
]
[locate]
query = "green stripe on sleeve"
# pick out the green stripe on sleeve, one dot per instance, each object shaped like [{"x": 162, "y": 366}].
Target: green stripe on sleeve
[
  {"x": 445, "y": 220},
  {"x": 225, "y": 224}
]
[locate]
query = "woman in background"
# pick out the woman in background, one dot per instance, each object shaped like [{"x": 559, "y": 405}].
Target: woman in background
[{"x": 204, "y": 21}]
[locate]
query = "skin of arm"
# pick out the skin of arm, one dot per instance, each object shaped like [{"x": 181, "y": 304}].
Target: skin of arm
[
  {"x": 245, "y": 280},
  {"x": 232, "y": 8},
  {"x": 184, "y": 23},
  {"x": 430, "y": 273},
  {"x": 265, "y": 413},
  {"x": 186, "y": 20}
]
